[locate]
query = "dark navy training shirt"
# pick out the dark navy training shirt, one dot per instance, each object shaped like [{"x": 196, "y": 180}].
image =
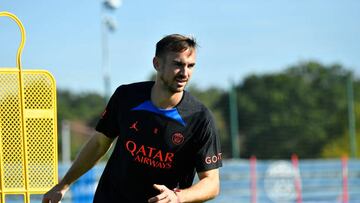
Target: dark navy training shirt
[{"x": 154, "y": 146}]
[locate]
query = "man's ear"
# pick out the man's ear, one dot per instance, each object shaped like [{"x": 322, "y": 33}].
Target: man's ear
[{"x": 156, "y": 63}]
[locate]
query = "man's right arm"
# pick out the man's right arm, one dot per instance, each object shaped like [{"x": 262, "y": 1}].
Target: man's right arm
[{"x": 90, "y": 154}]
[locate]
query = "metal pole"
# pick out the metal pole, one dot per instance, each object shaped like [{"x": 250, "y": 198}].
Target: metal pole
[
  {"x": 351, "y": 114},
  {"x": 297, "y": 181},
  {"x": 66, "y": 143},
  {"x": 234, "y": 123},
  {"x": 105, "y": 59},
  {"x": 253, "y": 178},
  {"x": 107, "y": 24},
  {"x": 345, "y": 177}
]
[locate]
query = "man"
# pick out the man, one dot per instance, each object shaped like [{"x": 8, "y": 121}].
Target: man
[{"x": 164, "y": 135}]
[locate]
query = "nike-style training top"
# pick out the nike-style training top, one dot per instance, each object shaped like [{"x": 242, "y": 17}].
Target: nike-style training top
[{"x": 154, "y": 146}]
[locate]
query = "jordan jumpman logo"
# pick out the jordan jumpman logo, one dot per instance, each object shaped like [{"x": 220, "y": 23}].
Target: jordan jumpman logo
[{"x": 133, "y": 126}]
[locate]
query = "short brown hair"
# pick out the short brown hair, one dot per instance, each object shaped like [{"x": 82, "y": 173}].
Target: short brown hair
[{"x": 174, "y": 43}]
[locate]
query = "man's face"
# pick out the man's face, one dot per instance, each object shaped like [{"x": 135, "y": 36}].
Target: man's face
[{"x": 175, "y": 69}]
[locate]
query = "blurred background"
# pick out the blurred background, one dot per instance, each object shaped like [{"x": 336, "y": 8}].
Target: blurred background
[{"x": 282, "y": 79}]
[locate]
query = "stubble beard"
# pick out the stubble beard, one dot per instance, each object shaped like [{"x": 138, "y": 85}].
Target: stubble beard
[{"x": 171, "y": 86}]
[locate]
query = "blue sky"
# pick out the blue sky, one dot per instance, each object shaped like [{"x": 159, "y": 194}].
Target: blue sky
[{"x": 237, "y": 37}]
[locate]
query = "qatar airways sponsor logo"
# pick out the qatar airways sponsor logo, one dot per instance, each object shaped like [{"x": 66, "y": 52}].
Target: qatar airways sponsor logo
[
  {"x": 150, "y": 156},
  {"x": 213, "y": 159}
]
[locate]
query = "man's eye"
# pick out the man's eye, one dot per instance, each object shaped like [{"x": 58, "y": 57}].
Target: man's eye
[{"x": 178, "y": 64}]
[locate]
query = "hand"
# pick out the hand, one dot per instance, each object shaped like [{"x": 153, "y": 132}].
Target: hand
[
  {"x": 55, "y": 194},
  {"x": 166, "y": 195}
]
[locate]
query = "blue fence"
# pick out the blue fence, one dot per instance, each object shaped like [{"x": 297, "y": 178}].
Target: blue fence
[{"x": 321, "y": 181}]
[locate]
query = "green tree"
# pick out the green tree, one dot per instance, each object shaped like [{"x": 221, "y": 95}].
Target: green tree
[
  {"x": 86, "y": 107},
  {"x": 340, "y": 146},
  {"x": 297, "y": 111},
  {"x": 83, "y": 111}
]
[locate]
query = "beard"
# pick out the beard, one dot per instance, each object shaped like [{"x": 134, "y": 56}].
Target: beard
[{"x": 172, "y": 85}]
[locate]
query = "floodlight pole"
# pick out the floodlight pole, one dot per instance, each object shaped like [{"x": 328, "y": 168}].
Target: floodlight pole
[
  {"x": 105, "y": 61},
  {"x": 66, "y": 142},
  {"x": 234, "y": 126},
  {"x": 351, "y": 115},
  {"x": 107, "y": 25}
]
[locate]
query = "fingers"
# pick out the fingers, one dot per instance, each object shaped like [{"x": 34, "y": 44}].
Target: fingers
[
  {"x": 166, "y": 195},
  {"x": 46, "y": 199},
  {"x": 50, "y": 200},
  {"x": 54, "y": 195},
  {"x": 163, "y": 197},
  {"x": 161, "y": 188}
]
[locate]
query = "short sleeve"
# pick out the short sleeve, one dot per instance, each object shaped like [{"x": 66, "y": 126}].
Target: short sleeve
[
  {"x": 208, "y": 155},
  {"x": 108, "y": 123}
]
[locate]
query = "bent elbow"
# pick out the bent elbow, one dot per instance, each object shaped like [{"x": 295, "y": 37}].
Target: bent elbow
[{"x": 215, "y": 192}]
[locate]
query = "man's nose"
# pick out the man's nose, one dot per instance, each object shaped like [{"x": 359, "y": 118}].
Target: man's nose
[{"x": 184, "y": 71}]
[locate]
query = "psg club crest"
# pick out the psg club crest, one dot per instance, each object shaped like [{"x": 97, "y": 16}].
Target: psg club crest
[{"x": 177, "y": 138}]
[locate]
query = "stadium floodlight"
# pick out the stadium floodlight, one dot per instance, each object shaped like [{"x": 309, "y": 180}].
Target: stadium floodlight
[{"x": 112, "y": 4}]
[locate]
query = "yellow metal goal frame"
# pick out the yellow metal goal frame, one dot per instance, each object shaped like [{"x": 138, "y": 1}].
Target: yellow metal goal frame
[{"x": 28, "y": 129}]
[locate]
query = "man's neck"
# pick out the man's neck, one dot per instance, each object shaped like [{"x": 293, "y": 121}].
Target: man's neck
[{"x": 164, "y": 99}]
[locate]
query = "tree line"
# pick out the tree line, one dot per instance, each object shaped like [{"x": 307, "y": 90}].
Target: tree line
[{"x": 302, "y": 110}]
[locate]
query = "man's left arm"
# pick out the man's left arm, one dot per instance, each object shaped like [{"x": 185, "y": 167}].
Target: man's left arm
[{"x": 207, "y": 188}]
